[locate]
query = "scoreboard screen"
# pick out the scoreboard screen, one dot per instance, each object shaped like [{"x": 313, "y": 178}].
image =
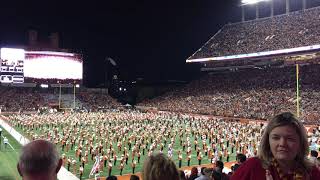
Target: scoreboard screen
[
  {"x": 18, "y": 66},
  {"x": 12, "y": 65},
  {"x": 58, "y": 66}
]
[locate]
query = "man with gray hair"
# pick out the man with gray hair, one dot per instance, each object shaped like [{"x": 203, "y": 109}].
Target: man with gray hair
[{"x": 39, "y": 159}]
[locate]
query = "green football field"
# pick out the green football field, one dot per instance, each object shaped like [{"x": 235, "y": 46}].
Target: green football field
[
  {"x": 9, "y": 158},
  {"x": 127, "y": 169}
]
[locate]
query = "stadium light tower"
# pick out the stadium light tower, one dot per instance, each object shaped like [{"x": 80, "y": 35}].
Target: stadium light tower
[
  {"x": 256, "y": 3},
  {"x": 251, "y": 2},
  {"x": 304, "y": 4},
  {"x": 287, "y": 7}
]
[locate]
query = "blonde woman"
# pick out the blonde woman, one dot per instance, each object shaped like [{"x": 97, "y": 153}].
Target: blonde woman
[
  {"x": 159, "y": 167},
  {"x": 282, "y": 153}
]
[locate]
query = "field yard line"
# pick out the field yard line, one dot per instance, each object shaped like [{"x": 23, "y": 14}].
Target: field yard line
[{"x": 63, "y": 174}]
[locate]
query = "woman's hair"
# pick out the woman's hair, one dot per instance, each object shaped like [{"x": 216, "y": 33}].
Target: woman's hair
[
  {"x": 182, "y": 175},
  {"x": 285, "y": 119},
  {"x": 194, "y": 171},
  {"x": 158, "y": 167}
]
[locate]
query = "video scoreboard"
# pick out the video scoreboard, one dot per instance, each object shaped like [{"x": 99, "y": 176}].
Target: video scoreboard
[{"x": 23, "y": 66}]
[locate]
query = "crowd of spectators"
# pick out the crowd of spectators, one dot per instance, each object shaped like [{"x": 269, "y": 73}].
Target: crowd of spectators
[
  {"x": 14, "y": 99},
  {"x": 97, "y": 101},
  {"x": 296, "y": 29},
  {"x": 19, "y": 99},
  {"x": 251, "y": 93}
]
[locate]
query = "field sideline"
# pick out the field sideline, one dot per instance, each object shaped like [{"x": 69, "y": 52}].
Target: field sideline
[
  {"x": 10, "y": 172},
  {"x": 9, "y": 158}
]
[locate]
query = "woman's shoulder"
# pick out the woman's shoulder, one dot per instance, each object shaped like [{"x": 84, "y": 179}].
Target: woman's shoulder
[
  {"x": 250, "y": 169},
  {"x": 315, "y": 172},
  {"x": 254, "y": 161}
]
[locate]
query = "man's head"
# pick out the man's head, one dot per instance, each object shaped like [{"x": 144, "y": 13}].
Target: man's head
[
  {"x": 39, "y": 159},
  {"x": 314, "y": 153},
  {"x": 134, "y": 177},
  {"x": 241, "y": 158},
  {"x": 202, "y": 170},
  {"x": 219, "y": 166},
  {"x": 112, "y": 178}
]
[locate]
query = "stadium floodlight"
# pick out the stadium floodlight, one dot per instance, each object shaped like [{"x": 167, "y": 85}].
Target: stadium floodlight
[
  {"x": 44, "y": 86},
  {"x": 245, "y": 2}
]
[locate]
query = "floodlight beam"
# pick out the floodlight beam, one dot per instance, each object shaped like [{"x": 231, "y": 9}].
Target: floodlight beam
[{"x": 248, "y": 2}]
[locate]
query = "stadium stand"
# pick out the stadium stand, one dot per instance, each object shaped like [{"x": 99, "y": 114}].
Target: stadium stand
[
  {"x": 253, "y": 93},
  {"x": 296, "y": 29},
  {"x": 96, "y": 101},
  {"x": 258, "y": 88},
  {"x": 16, "y": 99}
]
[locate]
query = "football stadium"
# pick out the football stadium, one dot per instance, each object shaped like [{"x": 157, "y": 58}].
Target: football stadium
[{"x": 251, "y": 71}]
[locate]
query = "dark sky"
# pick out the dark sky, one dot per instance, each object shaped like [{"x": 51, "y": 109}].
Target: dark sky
[{"x": 147, "y": 38}]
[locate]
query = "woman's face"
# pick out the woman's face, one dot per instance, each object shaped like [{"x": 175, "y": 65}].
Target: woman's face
[{"x": 284, "y": 143}]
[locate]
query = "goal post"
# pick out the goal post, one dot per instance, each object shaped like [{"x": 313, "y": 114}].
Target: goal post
[{"x": 67, "y": 97}]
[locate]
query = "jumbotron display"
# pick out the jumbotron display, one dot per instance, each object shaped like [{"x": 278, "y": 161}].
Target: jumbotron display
[{"x": 18, "y": 66}]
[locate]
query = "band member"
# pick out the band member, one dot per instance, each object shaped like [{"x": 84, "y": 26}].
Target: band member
[
  {"x": 114, "y": 159},
  {"x": 64, "y": 159},
  {"x": 139, "y": 155},
  {"x": 121, "y": 167},
  {"x": 83, "y": 161},
  {"x": 69, "y": 164},
  {"x": 105, "y": 159},
  {"x": 74, "y": 162},
  {"x": 133, "y": 165},
  {"x": 109, "y": 167},
  {"x": 81, "y": 172},
  {"x": 127, "y": 157},
  {"x": 170, "y": 153},
  {"x": 180, "y": 158},
  {"x": 86, "y": 156},
  {"x": 80, "y": 154},
  {"x": 188, "y": 159},
  {"x": 199, "y": 158}
]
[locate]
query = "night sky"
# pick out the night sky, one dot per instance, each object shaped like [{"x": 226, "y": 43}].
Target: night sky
[{"x": 148, "y": 39}]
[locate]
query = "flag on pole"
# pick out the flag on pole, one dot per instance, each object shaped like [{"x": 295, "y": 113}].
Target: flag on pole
[{"x": 95, "y": 165}]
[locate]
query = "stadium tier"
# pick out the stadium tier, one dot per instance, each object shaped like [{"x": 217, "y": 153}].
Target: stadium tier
[
  {"x": 15, "y": 99},
  {"x": 32, "y": 99},
  {"x": 251, "y": 93},
  {"x": 296, "y": 29}
]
